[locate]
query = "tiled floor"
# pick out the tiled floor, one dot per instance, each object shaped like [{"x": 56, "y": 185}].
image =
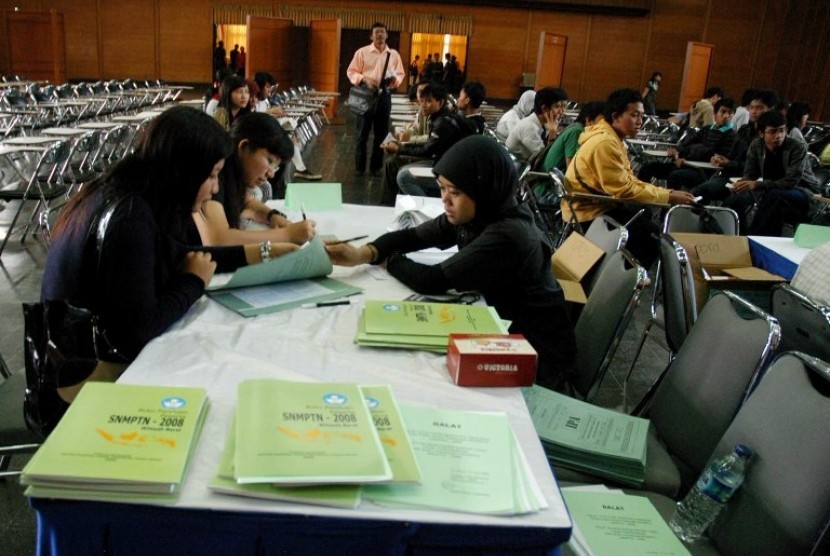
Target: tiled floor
[{"x": 332, "y": 155}]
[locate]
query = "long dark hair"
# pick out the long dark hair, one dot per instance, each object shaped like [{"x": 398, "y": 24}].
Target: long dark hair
[
  {"x": 262, "y": 131},
  {"x": 171, "y": 162},
  {"x": 229, "y": 85}
]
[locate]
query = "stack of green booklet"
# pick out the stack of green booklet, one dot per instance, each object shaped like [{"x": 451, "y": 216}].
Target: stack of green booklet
[
  {"x": 612, "y": 523},
  {"x": 314, "y": 443},
  {"x": 282, "y": 283},
  {"x": 471, "y": 462},
  {"x": 581, "y": 436},
  {"x": 119, "y": 442},
  {"x": 423, "y": 325}
]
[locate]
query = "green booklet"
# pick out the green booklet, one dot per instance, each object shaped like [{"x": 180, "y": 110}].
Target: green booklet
[
  {"x": 423, "y": 325},
  {"x": 122, "y": 439},
  {"x": 469, "y": 463},
  {"x": 611, "y": 524},
  {"x": 582, "y": 436},
  {"x": 393, "y": 436},
  {"x": 305, "y": 433},
  {"x": 338, "y": 496},
  {"x": 270, "y": 298},
  {"x": 311, "y": 261}
]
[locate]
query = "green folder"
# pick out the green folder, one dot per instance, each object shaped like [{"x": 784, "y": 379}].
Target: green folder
[
  {"x": 121, "y": 439},
  {"x": 393, "y": 436},
  {"x": 338, "y": 496},
  {"x": 306, "y": 433},
  {"x": 810, "y": 235},
  {"x": 422, "y": 325},
  {"x": 313, "y": 197},
  {"x": 270, "y": 298}
]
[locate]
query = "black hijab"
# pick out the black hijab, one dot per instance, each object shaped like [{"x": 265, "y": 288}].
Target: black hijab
[{"x": 482, "y": 169}]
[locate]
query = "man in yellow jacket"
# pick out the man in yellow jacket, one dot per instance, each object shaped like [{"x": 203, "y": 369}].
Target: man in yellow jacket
[{"x": 601, "y": 167}]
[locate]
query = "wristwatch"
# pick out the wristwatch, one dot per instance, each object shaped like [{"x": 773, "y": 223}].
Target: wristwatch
[{"x": 265, "y": 251}]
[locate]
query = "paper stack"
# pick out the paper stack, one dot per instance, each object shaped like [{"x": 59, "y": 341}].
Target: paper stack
[
  {"x": 611, "y": 523},
  {"x": 422, "y": 325},
  {"x": 314, "y": 443},
  {"x": 588, "y": 438},
  {"x": 471, "y": 462},
  {"x": 119, "y": 442}
]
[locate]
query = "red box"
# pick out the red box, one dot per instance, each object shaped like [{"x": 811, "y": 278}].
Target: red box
[{"x": 491, "y": 360}]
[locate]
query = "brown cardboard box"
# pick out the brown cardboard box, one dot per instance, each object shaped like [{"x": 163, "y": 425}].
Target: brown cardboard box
[
  {"x": 491, "y": 360},
  {"x": 572, "y": 262},
  {"x": 723, "y": 263}
]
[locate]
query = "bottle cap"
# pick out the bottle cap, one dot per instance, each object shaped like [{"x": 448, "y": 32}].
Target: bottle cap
[{"x": 743, "y": 450}]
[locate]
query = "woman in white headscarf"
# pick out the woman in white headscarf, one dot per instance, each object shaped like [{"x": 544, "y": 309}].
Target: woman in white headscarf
[
  {"x": 501, "y": 252},
  {"x": 510, "y": 118}
]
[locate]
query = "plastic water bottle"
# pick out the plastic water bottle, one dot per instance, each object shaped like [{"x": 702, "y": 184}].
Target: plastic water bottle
[{"x": 707, "y": 498}]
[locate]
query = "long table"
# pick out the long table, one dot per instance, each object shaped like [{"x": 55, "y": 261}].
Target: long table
[{"x": 215, "y": 348}]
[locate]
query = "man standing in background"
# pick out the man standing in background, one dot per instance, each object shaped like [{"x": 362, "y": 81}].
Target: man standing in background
[{"x": 366, "y": 67}]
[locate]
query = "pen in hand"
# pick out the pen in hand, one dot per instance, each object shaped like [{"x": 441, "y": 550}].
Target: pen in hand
[
  {"x": 342, "y": 241},
  {"x": 302, "y": 209}
]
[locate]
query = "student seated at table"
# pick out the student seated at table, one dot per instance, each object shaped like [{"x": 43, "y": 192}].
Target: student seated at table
[
  {"x": 501, "y": 252},
  {"x": 732, "y": 165},
  {"x": 150, "y": 268},
  {"x": 260, "y": 145},
  {"x": 601, "y": 167},
  {"x": 778, "y": 177},
  {"x": 469, "y": 105},
  {"x": 698, "y": 145},
  {"x": 234, "y": 101}
]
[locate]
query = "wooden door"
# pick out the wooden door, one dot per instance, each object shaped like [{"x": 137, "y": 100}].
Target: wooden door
[
  {"x": 324, "y": 58},
  {"x": 269, "y": 48},
  {"x": 43, "y": 59},
  {"x": 695, "y": 73},
  {"x": 550, "y": 60}
]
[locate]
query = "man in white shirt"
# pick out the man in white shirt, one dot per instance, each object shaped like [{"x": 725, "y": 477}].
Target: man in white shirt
[
  {"x": 533, "y": 132},
  {"x": 366, "y": 68}
]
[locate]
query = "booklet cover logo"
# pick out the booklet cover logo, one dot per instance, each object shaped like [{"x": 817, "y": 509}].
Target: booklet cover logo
[
  {"x": 335, "y": 399},
  {"x": 173, "y": 402}
]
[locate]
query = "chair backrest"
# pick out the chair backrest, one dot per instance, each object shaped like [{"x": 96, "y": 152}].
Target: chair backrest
[
  {"x": 784, "y": 502},
  {"x": 805, "y": 323},
  {"x": 685, "y": 218},
  {"x": 610, "y": 236},
  {"x": 678, "y": 291},
  {"x": 714, "y": 371},
  {"x": 604, "y": 319}
]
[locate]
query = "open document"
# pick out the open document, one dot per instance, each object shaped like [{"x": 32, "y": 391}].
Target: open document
[{"x": 282, "y": 283}]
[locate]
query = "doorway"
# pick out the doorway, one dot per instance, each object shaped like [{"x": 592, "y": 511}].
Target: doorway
[{"x": 428, "y": 45}]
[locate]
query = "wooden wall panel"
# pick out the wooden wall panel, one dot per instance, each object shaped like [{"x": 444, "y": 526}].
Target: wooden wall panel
[
  {"x": 615, "y": 56},
  {"x": 783, "y": 44},
  {"x": 128, "y": 39},
  {"x": 186, "y": 48},
  {"x": 497, "y": 51}
]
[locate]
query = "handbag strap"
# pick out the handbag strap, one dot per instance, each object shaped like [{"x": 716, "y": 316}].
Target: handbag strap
[{"x": 383, "y": 74}]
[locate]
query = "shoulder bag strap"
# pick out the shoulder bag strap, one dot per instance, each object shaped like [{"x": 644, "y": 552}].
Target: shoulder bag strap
[{"x": 383, "y": 73}]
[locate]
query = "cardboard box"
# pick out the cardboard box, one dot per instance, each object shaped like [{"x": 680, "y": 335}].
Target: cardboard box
[
  {"x": 724, "y": 263},
  {"x": 572, "y": 263},
  {"x": 491, "y": 360}
]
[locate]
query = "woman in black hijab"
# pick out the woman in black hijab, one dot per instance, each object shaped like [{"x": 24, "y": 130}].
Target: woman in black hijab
[{"x": 501, "y": 252}]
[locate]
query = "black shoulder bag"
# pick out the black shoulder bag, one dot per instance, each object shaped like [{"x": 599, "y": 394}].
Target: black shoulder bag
[
  {"x": 362, "y": 99},
  {"x": 63, "y": 343}
]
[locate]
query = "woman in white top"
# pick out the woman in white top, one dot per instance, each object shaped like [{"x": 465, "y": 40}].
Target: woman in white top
[{"x": 513, "y": 116}]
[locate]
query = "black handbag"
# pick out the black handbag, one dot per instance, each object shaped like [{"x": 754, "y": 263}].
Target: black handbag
[
  {"x": 63, "y": 344},
  {"x": 362, "y": 99}
]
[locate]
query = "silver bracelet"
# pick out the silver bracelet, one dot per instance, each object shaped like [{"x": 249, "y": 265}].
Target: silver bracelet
[{"x": 265, "y": 251}]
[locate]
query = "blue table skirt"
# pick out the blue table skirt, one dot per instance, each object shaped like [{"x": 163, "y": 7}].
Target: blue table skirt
[
  {"x": 66, "y": 527},
  {"x": 769, "y": 260}
]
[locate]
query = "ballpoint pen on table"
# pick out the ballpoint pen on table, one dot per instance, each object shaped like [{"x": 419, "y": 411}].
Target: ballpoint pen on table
[
  {"x": 341, "y": 241},
  {"x": 326, "y": 304}
]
